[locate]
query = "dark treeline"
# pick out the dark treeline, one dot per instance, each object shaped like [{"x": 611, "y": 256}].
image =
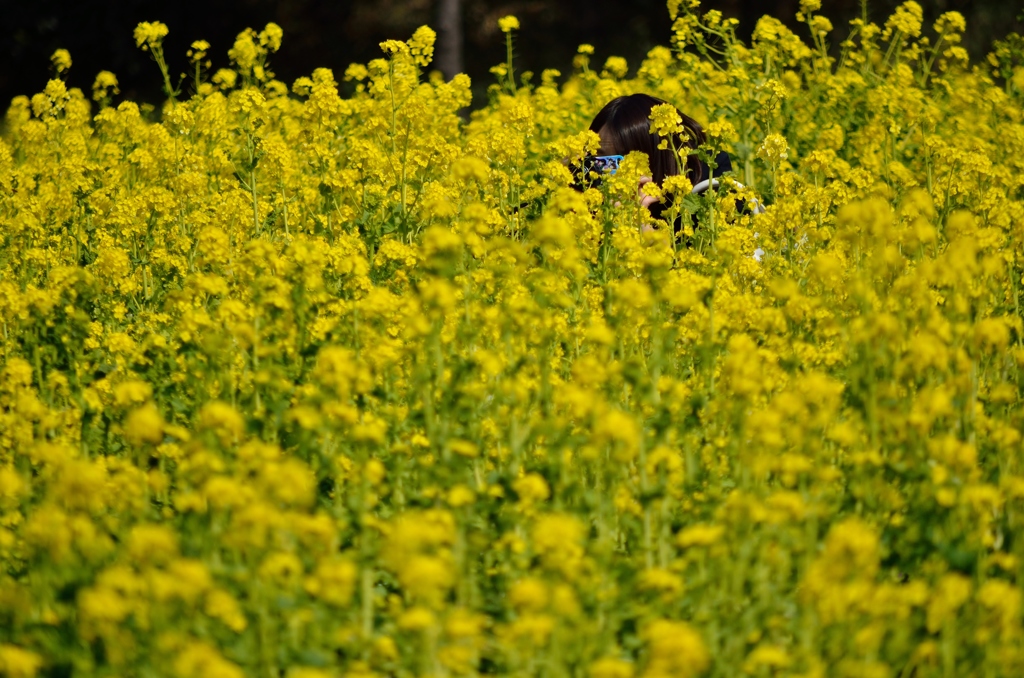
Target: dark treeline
[{"x": 334, "y": 34}]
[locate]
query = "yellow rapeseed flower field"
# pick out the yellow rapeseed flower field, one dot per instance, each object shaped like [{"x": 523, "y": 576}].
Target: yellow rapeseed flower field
[{"x": 297, "y": 385}]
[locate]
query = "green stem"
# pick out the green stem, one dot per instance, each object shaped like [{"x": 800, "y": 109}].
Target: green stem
[{"x": 508, "y": 63}]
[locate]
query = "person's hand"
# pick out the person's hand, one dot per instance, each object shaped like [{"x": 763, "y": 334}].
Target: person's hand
[{"x": 645, "y": 199}]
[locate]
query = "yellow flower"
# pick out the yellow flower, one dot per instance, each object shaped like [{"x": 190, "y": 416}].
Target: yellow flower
[
  {"x": 530, "y": 595},
  {"x": 222, "y": 606},
  {"x": 771, "y": 657},
  {"x": 531, "y": 489},
  {"x": 616, "y": 66},
  {"x": 417, "y": 619},
  {"x": 152, "y": 544},
  {"x": 374, "y": 472},
  {"x": 12, "y": 487},
  {"x": 222, "y": 419},
  {"x": 951, "y": 593},
  {"x": 557, "y": 538},
  {"x": 150, "y": 34},
  {"x": 906, "y": 19},
  {"x": 61, "y": 60},
  {"x": 674, "y": 649},
  {"x": 225, "y": 78},
  {"x": 307, "y": 672},
  {"x": 700, "y": 535},
  {"x": 246, "y": 52},
  {"x": 131, "y": 393},
  {"x": 665, "y": 121},
  {"x": 1003, "y": 600},
  {"x": 385, "y": 648},
  {"x": 421, "y": 45},
  {"x": 821, "y": 26},
  {"x": 460, "y": 496},
  {"x": 282, "y": 568},
  {"x": 104, "y": 85},
  {"x": 721, "y": 131},
  {"x": 950, "y": 23},
  {"x": 144, "y": 425},
  {"x": 773, "y": 149},
  {"x": 611, "y": 667},
  {"x": 507, "y": 24},
  {"x": 393, "y": 47},
  {"x": 271, "y": 36},
  {"x": 471, "y": 169},
  {"x": 198, "y": 658},
  {"x": 333, "y": 581},
  {"x": 661, "y": 581},
  {"x": 197, "y": 51},
  {"x": 426, "y": 578},
  {"x": 361, "y": 367},
  {"x": 463, "y": 448},
  {"x": 17, "y": 662},
  {"x": 620, "y": 429}
]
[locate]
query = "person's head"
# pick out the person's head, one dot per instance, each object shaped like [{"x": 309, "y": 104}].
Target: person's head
[{"x": 624, "y": 125}]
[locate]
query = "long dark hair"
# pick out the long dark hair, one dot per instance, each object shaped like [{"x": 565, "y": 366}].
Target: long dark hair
[{"x": 627, "y": 125}]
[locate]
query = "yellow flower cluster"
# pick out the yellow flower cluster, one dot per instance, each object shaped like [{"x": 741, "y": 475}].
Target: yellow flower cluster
[{"x": 298, "y": 384}]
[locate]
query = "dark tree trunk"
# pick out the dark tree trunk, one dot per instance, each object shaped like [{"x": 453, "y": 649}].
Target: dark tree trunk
[{"x": 449, "y": 37}]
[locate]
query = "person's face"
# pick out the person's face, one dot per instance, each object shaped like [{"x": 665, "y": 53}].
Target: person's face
[{"x": 607, "y": 145}]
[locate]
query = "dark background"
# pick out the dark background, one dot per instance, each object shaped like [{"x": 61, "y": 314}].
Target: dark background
[{"x": 334, "y": 34}]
